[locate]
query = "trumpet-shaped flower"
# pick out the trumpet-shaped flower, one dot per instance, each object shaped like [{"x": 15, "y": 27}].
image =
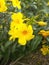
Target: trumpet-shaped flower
[
  {"x": 25, "y": 34},
  {"x": 45, "y": 50},
  {"x": 17, "y": 20},
  {"x": 41, "y": 23},
  {"x": 3, "y": 7},
  {"x": 16, "y": 3},
  {"x": 13, "y": 34},
  {"x": 44, "y": 33}
]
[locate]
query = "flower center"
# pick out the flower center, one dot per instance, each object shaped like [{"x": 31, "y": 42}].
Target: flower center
[{"x": 24, "y": 32}]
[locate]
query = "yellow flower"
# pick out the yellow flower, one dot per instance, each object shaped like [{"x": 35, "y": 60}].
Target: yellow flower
[
  {"x": 41, "y": 23},
  {"x": 16, "y": 3},
  {"x": 3, "y": 7},
  {"x": 17, "y": 20},
  {"x": 13, "y": 34},
  {"x": 44, "y": 50},
  {"x": 44, "y": 33},
  {"x": 16, "y": 16},
  {"x": 25, "y": 34}
]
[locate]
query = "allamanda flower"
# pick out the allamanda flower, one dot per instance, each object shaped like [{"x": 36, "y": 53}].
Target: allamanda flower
[
  {"x": 25, "y": 34},
  {"x": 13, "y": 34},
  {"x": 17, "y": 20},
  {"x": 3, "y": 7},
  {"x": 41, "y": 23},
  {"x": 44, "y": 33},
  {"x": 45, "y": 50},
  {"x": 16, "y": 3}
]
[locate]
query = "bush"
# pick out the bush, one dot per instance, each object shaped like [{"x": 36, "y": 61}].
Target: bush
[{"x": 24, "y": 27}]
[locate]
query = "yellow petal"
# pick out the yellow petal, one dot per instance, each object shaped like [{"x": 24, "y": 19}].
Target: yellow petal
[{"x": 22, "y": 41}]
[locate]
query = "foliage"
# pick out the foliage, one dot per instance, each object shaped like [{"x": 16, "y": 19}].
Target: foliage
[{"x": 34, "y": 12}]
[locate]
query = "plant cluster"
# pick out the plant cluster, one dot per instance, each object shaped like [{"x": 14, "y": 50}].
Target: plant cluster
[{"x": 24, "y": 28}]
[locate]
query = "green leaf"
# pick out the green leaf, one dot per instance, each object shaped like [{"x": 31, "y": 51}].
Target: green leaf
[
  {"x": 6, "y": 57},
  {"x": 47, "y": 39},
  {"x": 14, "y": 47},
  {"x": 2, "y": 48},
  {"x": 0, "y": 55},
  {"x": 8, "y": 43},
  {"x": 37, "y": 40}
]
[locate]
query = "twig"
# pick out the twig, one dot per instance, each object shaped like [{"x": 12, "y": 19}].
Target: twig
[{"x": 12, "y": 63}]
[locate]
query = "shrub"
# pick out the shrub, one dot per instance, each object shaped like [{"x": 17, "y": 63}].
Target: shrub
[{"x": 24, "y": 27}]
